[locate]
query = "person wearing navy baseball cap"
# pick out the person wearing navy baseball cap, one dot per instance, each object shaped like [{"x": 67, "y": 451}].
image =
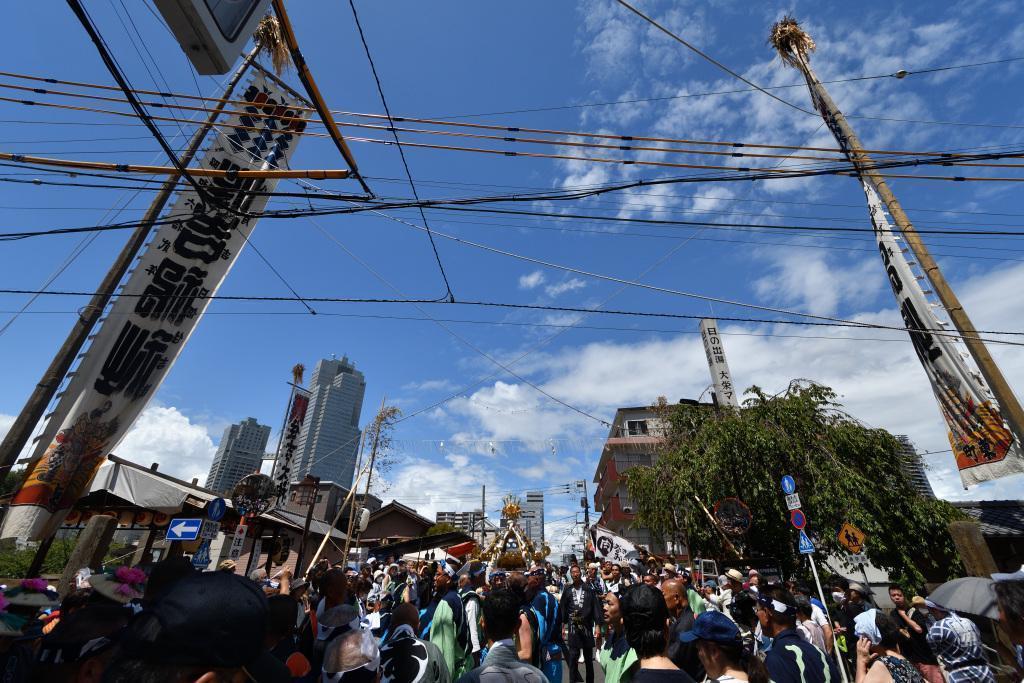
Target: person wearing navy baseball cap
[{"x": 721, "y": 650}]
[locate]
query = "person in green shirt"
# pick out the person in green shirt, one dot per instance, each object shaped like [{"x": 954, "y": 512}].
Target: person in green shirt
[{"x": 617, "y": 658}]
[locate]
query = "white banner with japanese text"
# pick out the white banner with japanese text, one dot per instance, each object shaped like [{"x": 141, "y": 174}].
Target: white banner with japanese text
[
  {"x": 156, "y": 311},
  {"x": 714, "y": 349},
  {"x": 609, "y": 546},
  {"x": 982, "y": 443}
]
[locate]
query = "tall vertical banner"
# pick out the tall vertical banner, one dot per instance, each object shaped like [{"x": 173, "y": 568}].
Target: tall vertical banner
[
  {"x": 982, "y": 443},
  {"x": 721, "y": 378},
  {"x": 289, "y": 441},
  {"x": 161, "y": 302}
]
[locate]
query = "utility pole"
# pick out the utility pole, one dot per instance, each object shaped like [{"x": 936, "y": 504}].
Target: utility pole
[
  {"x": 585, "y": 503},
  {"x": 793, "y": 45},
  {"x": 376, "y": 426},
  {"x": 45, "y": 390},
  {"x": 483, "y": 514}
]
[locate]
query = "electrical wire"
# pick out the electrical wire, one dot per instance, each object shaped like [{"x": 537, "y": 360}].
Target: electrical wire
[
  {"x": 398, "y": 143},
  {"x": 813, "y": 321},
  {"x": 711, "y": 59},
  {"x": 428, "y": 121}
]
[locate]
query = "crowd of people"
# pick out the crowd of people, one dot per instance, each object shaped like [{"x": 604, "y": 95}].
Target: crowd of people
[{"x": 393, "y": 621}]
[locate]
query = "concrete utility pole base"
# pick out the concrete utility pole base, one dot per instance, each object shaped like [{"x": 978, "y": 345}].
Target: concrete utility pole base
[
  {"x": 89, "y": 551},
  {"x": 974, "y": 552}
]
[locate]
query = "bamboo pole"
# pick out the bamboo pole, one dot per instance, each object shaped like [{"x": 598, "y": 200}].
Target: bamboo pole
[{"x": 795, "y": 53}]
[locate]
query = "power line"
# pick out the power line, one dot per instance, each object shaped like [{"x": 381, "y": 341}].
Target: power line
[
  {"x": 398, "y": 143},
  {"x": 711, "y": 59},
  {"x": 813, "y": 321}
]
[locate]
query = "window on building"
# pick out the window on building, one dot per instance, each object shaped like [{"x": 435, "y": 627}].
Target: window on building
[
  {"x": 636, "y": 427},
  {"x": 319, "y": 498},
  {"x": 293, "y": 496}
]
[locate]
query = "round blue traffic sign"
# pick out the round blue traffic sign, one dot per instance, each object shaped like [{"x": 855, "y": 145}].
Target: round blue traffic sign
[
  {"x": 797, "y": 518},
  {"x": 788, "y": 485},
  {"x": 215, "y": 509}
]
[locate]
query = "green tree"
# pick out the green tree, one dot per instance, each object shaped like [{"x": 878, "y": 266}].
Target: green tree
[
  {"x": 441, "y": 528},
  {"x": 845, "y": 472}
]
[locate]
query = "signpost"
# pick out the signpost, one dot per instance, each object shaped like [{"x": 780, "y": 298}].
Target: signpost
[
  {"x": 852, "y": 538},
  {"x": 201, "y": 557},
  {"x": 799, "y": 520},
  {"x": 788, "y": 485},
  {"x": 184, "y": 529},
  {"x": 215, "y": 509},
  {"x": 807, "y": 547},
  {"x": 209, "y": 530},
  {"x": 238, "y": 541}
]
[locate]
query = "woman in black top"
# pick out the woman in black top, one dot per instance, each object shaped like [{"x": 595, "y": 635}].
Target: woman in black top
[{"x": 645, "y": 618}]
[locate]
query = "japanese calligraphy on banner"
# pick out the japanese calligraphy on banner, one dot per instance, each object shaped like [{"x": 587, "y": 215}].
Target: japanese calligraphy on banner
[
  {"x": 289, "y": 441},
  {"x": 609, "y": 546},
  {"x": 982, "y": 443},
  {"x": 158, "y": 309},
  {"x": 719, "y": 367}
]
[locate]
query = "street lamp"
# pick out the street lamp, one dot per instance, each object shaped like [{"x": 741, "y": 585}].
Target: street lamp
[{"x": 305, "y": 494}]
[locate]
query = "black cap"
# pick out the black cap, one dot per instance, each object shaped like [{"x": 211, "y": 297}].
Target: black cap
[{"x": 212, "y": 619}]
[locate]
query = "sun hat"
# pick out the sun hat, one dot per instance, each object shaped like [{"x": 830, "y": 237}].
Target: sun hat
[
  {"x": 753, "y": 572},
  {"x": 669, "y": 567},
  {"x": 918, "y": 601},
  {"x": 10, "y": 624},
  {"x": 33, "y": 593},
  {"x": 1009, "y": 576},
  {"x": 864, "y": 626},
  {"x": 734, "y": 574},
  {"x": 227, "y": 566},
  {"x": 712, "y": 626},
  {"x": 122, "y": 585}
]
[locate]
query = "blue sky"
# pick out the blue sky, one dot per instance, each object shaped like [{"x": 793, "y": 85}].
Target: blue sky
[{"x": 457, "y": 59}]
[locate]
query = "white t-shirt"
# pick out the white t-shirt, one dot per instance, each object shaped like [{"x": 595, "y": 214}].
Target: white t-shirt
[{"x": 818, "y": 616}]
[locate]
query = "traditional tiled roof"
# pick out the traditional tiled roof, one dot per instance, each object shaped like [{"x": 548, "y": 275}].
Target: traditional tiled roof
[{"x": 997, "y": 517}]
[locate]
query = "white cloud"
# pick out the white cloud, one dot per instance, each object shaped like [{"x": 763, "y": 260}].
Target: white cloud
[
  {"x": 815, "y": 283},
  {"x": 428, "y": 486},
  {"x": 165, "y": 435},
  {"x": 563, "y": 287},
  {"x": 532, "y": 280},
  {"x": 879, "y": 382}
]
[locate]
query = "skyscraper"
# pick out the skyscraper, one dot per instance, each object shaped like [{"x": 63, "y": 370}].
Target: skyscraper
[
  {"x": 329, "y": 439},
  {"x": 532, "y": 519},
  {"x": 913, "y": 466},
  {"x": 240, "y": 453}
]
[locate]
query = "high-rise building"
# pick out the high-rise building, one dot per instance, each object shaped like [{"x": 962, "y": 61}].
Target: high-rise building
[
  {"x": 240, "y": 453},
  {"x": 913, "y": 466},
  {"x": 463, "y": 521},
  {"x": 329, "y": 440},
  {"x": 532, "y": 518}
]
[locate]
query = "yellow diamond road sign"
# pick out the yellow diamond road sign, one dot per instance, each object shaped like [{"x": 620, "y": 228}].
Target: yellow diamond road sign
[{"x": 852, "y": 538}]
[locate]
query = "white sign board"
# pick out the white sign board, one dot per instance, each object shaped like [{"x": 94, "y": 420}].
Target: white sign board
[
  {"x": 721, "y": 378},
  {"x": 793, "y": 501},
  {"x": 209, "y": 530},
  {"x": 238, "y": 542}
]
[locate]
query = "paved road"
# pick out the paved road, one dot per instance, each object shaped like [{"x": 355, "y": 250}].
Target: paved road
[{"x": 598, "y": 674}]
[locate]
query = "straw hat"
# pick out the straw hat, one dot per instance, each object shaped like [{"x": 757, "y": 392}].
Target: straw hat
[
  {"x": 123, "y": 586},
  {"x": 34, "y": 593}
]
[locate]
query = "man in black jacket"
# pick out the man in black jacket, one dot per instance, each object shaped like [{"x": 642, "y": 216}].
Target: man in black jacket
[
  {"x": 683, "y": 655},
  {"x": 581, "y": 612}
]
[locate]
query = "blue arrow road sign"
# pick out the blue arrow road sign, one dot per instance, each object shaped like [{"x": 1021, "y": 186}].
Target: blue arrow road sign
[
  {"x": 788, "y": 485},
  {"x": 184, "y": 529},
  {"x": 215, "y": 509},
  {"x": 806, "y": 547}
]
